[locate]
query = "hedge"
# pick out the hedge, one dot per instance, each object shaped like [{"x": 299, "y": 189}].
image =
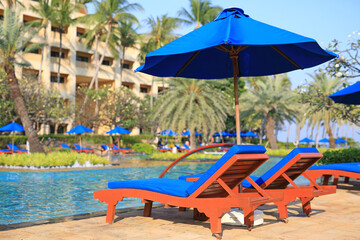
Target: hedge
[{"x": 341, "y": 156}]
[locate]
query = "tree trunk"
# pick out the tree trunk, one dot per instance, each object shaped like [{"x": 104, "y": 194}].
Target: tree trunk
[
  {"x": 270, "y": 126},
  {"x": 21, "y": 110},
  {"x": 60, "y": 53},
  {"x": 287, "y": 136},
  {"x": 41, "y": 62},
  {"x": 97, "y": 69},
  {"x": 122, "y": 63},
  {"x": 192, "y": 140},
  {"x": 331, "y": 136},
  {"x": 152, "y": 93},
  {"x": 317, "y": 134}
]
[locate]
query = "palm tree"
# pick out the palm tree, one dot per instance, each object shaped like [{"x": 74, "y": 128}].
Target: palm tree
[
  {"x": 274, "y": 100},
  {"x": 201, "y": 12},
  {"x": 192, "y": 104},
  {"x": 62, "y": 17},
  {"x": 316, "y": 96},
  {"x": 107, "y": 15},
  {"x": 15, "y": 38},
  {"x": 45, "y": 11}
]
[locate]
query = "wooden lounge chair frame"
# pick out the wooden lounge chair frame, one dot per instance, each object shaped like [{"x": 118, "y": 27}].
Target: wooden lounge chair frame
[
  {"x": 117, "y": 148},
  {"x": 215, "y": 196},
  {"x": 16, "y": 151},
  {"x": 5, "y": 151},
  {"x": 328, "y": 173},
  {"x": 286, "y": 175},
  {"x": 68, "y": 147},
  {"x": 84, "y": 150}
]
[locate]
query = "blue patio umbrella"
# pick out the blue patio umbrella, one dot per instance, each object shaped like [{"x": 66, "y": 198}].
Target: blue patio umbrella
[
  {"x": 118, "y": 130},
  {"x": 167, "y": 132},
  {"x": 306, "y": 140},
  {"x": 340, "y": 140},
  {"x": 349, "y": 95},
  {"x": 79, "y": 129},
  {"x": 234, "y": 45},
  {"x": 12, "y": 127},
  {"x": 250, "y": 134},
  {"x": 223, "y": 134},
  {"x": 187, "y": 133},
  {"x": 324, "y": 140}
]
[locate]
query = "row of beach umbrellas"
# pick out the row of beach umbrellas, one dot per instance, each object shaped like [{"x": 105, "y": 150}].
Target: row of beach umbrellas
[
  {"x": 169, "y": 132},
  {"x": 324, "y": 140}
]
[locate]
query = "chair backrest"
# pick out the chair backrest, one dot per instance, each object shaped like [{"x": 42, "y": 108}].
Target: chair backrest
[
  {"x": 232, "y": 168},
  {"x": 105, "y": 147},
  {"x": 65, "y": 146},
  {"x": 116, "y": 147},
  {"x": 293, "y": 165},
  {"x": 186, "y": 146},
  {"x": 77, "y": 147},
  {"x": 13, "y": 147},
  {"x": 177, "y": 146}
]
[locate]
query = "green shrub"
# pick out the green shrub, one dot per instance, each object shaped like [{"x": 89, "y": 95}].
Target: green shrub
[
  {"x": 143, "y": 147},
  {"x": 50, "y": 159},
  {"x": 169, "y": 155},
  {"x": 341, "y": 156},
  {"x": 7, "y": 139}
]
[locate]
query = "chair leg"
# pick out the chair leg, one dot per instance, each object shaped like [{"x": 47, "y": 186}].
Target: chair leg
[
  {"x": 182, "y": 209},
  {"x": 326, "y": 179},
  {"x": 336, "y": 180},
  {"x": 283, "y": 211},
  {"x": 110, "y": 214},
  {"x": 200, "y": 216},
  {"x": 249, "y": 217},
  {"x": 346, "y": 180},
  {"x": 147, "y": 208},
  {"x": 306, "y": 205}
]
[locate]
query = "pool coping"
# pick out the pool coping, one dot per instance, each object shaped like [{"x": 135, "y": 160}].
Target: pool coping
[{"x": 76, "y": 217}]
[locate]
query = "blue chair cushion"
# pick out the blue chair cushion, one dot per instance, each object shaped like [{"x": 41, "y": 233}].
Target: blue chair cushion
[
  {"x": 190, "y": 176},
  {"x": 236, "y": 149},
  {"x": 172, "y": 187},
  {"x": 282, "y": 163},
  {"x": 349, "y": 167}
]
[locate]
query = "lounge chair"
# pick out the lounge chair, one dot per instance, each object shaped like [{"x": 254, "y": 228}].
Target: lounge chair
[
  {"x": 212, "y": 194},
  {"x": 108, "y": 148},
  {"x": 14, "y": 148},
  {"x": 5, "y": 151},
  {"x": 122, "y": 150},
  {"x": 65, "y": 146},
  {"x": 186, "y": 147},
  {"x": 164, "y": 149},
  {"x": 82, "y": 149},
  {"x": 181, "y": 149},
  {"x": 337, "y": 170},
  {"x": 277, "y": 179}
]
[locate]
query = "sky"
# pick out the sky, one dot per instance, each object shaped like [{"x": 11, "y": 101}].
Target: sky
[{"x": 322, "y": 20}]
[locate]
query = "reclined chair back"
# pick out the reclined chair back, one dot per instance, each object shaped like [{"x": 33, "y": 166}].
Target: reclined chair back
[
  {"x": 13, "y": 147},
  {"x": 229, "y": 171},
  {"x": 292, "y": 165},
  {"x": 78, "y": 147},
  {"x": 65, "y": 146}
]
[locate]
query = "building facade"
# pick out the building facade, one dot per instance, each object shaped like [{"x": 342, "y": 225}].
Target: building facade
[{"x": 77, "y": 64}]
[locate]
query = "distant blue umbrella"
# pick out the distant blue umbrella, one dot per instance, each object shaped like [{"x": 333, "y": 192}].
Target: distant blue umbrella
[
  {"x": 79, "y": 129},
  {"x": 340, "y": 140},
  {"x": 306, "y": 140},
  {"x": 12, "y": 127},
  {"x": 167, "y": 132},
  {"x": 187, "y": 133},
  {"x": 223, "y": 134},
  {"x": 250, "y": 134},
  {"x": 118, "y": 130},
  {"x": 349, "y": 95},
  {"x": 324, "y": 140}
]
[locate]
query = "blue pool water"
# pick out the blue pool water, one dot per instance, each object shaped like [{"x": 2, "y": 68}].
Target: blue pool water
[{"x": 31, "y": 196}]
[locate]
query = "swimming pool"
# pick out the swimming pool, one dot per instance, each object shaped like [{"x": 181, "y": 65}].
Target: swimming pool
[{"x": 32, "y": 196}]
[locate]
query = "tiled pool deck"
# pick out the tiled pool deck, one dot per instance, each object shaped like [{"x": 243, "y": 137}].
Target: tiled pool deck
[{"x": 335, "y": 216}]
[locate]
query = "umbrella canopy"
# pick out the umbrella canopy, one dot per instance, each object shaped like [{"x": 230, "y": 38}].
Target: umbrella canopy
[
  {"x": 234, "y": 45},
  {"x": 12, "y": 127},
  {"x": 187, "y": 133},
  {"x": 340, "y": 140},
  {"x": 80, "y": 129},
  {"x": 324, "y": 140},
  {"x": 306, "y": 140},
  {"x": 167, "y": 132},
  {"x": 118, "y": 130},
  {"x": 223, "y": 134},
  {"x": 250, "y": 134},
  {"x": 349, "y": 95}
]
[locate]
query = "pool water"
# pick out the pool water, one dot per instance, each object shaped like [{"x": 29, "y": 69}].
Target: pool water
[{"x": 31, "y": 196}]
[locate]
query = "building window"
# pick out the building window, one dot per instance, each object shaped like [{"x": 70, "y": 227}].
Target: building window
[
  {"x": 35, "y": 51},
  {"x": 106, "y": 62},
  {"x": 127, "y": 86},
  {"x": 1, "y": 17},
  {"x": 125, "y": 65},
  {"x": 143, "y": 89},
  {"x": 79, "y": 34},
  {"x": 54, "y": 79},
  {"x": 56, "y": 54},
  {"x": 56, "y": 29},
  {"x": 82, "y": 58}
]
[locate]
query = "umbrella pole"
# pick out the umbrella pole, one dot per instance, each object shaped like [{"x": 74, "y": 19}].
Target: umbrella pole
[{"x": 234, "y": 59}]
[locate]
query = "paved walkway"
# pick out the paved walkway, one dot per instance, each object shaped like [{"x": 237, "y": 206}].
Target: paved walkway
[{"x": 335, "y": 216}]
